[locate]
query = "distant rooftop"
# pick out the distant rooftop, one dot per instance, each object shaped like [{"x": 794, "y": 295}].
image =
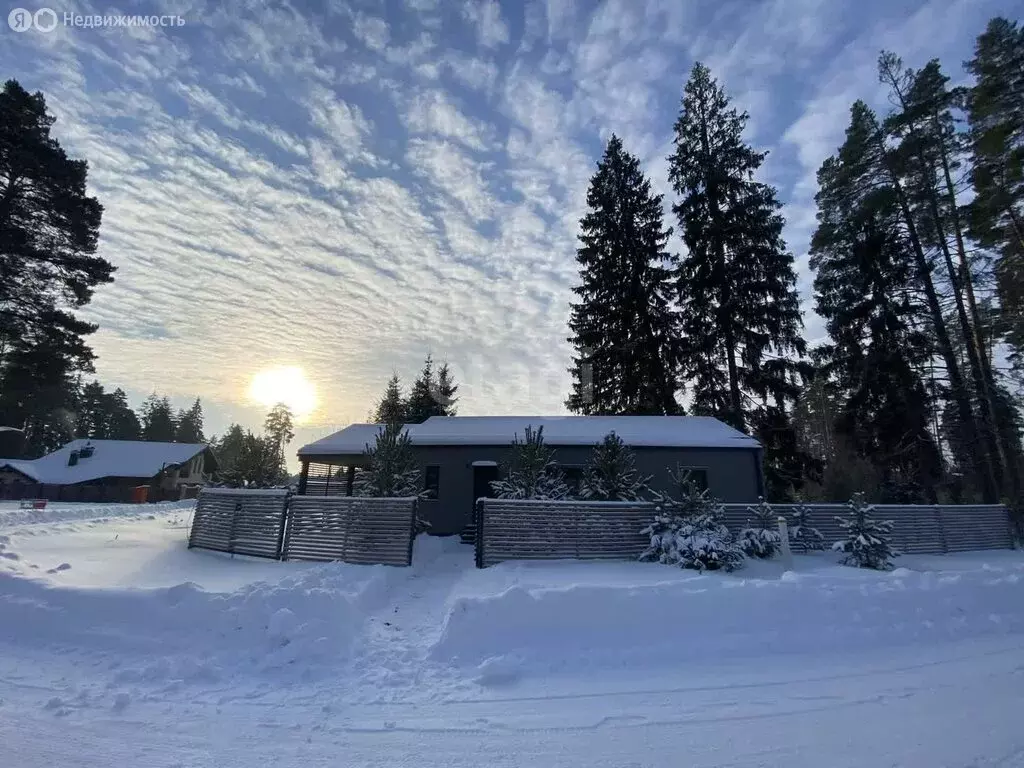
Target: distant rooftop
[
  {"x": 110, "y": 458},
  {"x": 647, "y": 431}
]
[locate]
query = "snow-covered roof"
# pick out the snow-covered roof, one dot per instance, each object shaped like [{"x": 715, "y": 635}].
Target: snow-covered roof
[
  {"x": 110, "y": 458},
  {"x": 647, "y": 431}
]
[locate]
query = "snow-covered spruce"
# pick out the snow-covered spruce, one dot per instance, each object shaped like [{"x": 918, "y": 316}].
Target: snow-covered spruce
[
  {"x": 531, "y": 471},
  {"x": 391, "y": 466},
  {"x": 761, "y": 536},
  {"x": 866, "y": 543},
  {"x": 801, "y": 532},
  {"x": 611, "y": 473},
  {"x": 688, "y": 530}
]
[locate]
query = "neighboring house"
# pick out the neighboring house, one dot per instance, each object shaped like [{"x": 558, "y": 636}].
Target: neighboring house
[
  {"x": 114, "y": 464},
  {"x": 460, "y": 455}
]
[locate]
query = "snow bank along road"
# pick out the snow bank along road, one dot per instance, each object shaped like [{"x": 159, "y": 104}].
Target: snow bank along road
[{"x": 119, "y": 645}]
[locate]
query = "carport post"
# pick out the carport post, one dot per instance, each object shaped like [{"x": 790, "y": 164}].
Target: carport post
[{"x": 303, "y": 477}]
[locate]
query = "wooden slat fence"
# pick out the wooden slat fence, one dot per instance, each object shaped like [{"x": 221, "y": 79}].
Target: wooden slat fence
[
  {"x": 538, "y": 530},
  {"x": 239, "y": 521},
  {"x": 351, "y": 529}
]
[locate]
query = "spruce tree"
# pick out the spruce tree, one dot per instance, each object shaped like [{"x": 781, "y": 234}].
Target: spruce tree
[
  {"x": 761, "y": 536},
  {"x": 865, "y": 541},
  {"x": 624, "y": 331},
  {"x": 257, "y": 465},
  {"x": 157, "y": 419},
  {"x": 445, "y": 396},
  {"x": 392, "y": 407},
  {"x": 530, "y": 472},
  {"x": 422, "y": 404},
  {"x": 92, "y": 417},
  {"x": 189, "y": 426},
  {"x": 122, "y": 422},
  {"x": 228, "y": 450},
  {"x": 741, "y": 323},
  {"x": 391, "y": 469},
  {"x": 610, "y": 474},
  {"x": 801, "y": 532},
  {"x": 688, "y": 530}
]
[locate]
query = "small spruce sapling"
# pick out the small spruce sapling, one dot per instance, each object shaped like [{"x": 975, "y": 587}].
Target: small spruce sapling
[
  {"x": 761, "y": 536},
  {"x": 531, "y": 471},
  {"x": 391, "y": 469},
  {"x": 688, "y": 530},
  {"x": 801, "y": 532},
  {"x": 611, "y": 473},
  {"x": 866, "y": 543}
]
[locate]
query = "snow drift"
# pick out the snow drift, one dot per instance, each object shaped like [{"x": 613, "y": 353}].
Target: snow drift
[
  {"x": 580, "y": 628},
  {"x": 183, "y": 633},
  {"x": 57, "y": 512}
]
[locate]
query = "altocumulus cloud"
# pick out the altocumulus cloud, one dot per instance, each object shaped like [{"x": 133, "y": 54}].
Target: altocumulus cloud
[{"x": 346, "y": 190}]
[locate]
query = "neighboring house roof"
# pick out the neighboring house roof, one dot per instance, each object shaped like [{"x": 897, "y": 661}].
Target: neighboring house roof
[
  {"x": 647, "y": 431},
  {"x": 110, "y": 458}
]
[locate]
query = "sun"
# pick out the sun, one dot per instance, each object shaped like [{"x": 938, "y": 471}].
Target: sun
[{"x": 287, "y": 385}]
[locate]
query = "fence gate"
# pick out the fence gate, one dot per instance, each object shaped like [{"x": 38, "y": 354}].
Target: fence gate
[
  {"x": 240, "y": 521},
  {"x": 350, "y": 528}
]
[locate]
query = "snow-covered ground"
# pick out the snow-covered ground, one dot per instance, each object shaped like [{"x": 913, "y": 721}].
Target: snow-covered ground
[{"x": 119, "y": 645}]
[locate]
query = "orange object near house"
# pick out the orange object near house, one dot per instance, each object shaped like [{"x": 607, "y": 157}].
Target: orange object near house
[{"x": 140, "y": 495}]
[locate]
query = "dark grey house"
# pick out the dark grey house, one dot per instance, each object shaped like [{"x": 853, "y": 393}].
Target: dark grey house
[{"x": 460, "y": 455}]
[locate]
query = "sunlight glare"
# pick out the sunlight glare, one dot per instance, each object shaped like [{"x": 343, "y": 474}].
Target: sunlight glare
[{"x": 284, "y": 385}]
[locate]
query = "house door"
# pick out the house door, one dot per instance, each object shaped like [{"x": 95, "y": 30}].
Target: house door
[{"x": 483, "y": 474}]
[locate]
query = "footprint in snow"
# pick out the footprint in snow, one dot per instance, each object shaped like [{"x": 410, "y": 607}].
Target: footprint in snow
[{"x": 61, "y": 567}]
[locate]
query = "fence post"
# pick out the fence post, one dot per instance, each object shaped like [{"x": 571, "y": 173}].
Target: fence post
[
  {"x": 349, "y": 517},
  {"x": 479, "y": 542},
  {"x": 787, "y": 553},
  {"x": 414, "y": 529},
  {"x": 231, "y": 532},
  {"x": 284, "y": 524},
  {"x": 576, "y": 531},
  {"x": 941, "y": 525}
]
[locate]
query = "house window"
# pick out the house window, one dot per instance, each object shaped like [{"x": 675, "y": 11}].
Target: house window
[
  {"x": 695, "y": 476},
  {"x": 431, "y": 482}
]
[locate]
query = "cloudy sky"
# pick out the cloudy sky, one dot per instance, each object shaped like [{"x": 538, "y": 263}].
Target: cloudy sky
[{"x": 347, "y": 188}]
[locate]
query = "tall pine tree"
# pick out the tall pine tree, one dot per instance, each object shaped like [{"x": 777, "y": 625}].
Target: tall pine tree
[
  {"x": 865, "y": 290},
  {"x": 928, "y": 151},
  {"x": 625, "y": 333},
  {"x": 995, "y": 111},
  {"x": 741, "y": 324},
  {"x": 49, "y": 229}
]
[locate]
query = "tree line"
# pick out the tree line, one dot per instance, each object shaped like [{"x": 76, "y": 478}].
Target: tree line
[
  {"x": 918, "y": 267},
  {"x": 433, "y": 393}
]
